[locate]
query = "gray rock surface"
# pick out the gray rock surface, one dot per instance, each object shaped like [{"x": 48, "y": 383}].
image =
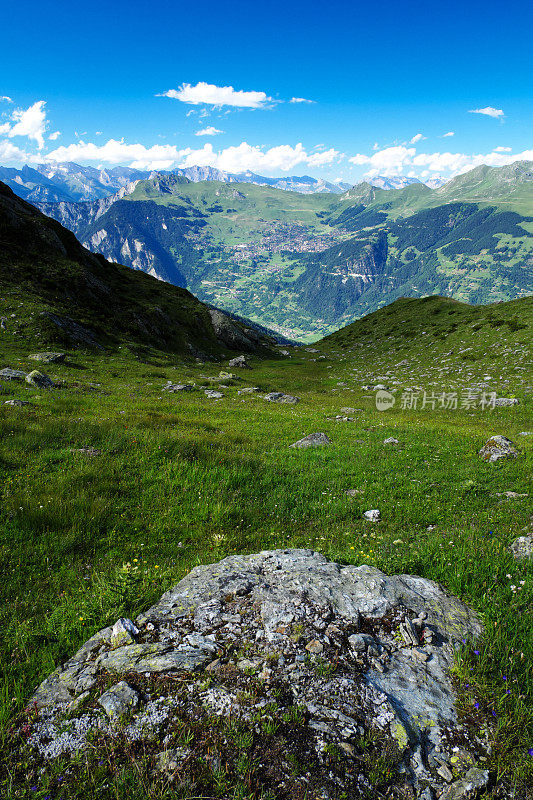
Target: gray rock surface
[
  {"x": 39, "y": 380},
  {"x": 8, "y": 374},
  {"x": 522, "y": 547},
  {"x": 390, "y": 639},
  {"x": 313, "y": 440},
  {"x": 506, "y": 401},
  {"x": 469, "y": 787},
  {"x": 119, "y": 699},
  {"x": 17, "y": 403},
  {"x": 241, "y": 362},
  {"x": 279, "y": 397},
  {"x": 214, "y": 395},
  {"x": 498, "y": 447},
  {"x": 48, "y": 358},
  {"x": 179, "y": 387}
]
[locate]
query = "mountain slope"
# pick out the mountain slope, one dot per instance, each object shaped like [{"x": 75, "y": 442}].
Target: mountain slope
[
  {"x": 64, "y": 293},
  {"x": 308, "y": 264}
]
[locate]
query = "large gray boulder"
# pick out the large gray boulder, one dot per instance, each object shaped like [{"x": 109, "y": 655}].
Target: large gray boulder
[
  {"x": 498, "y": 447},
  {"x": 312, "y": 440},
  {"x": 39, "y": 380},
  {"x": 8, "y": 374},
  {"x": 354, "y": 648},
  {"x": 48, "y": 358}
]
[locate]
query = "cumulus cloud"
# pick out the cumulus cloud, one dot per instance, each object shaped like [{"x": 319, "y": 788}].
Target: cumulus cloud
[
  {"x": 502, "y": 149},
  {"x": 29, "y": 122},
  {"x": 450, "y": 133},
  {"x": 209, "y": 131},
  {"x": 488, "y": 111},
  {"x": 5, "y": 99},
  {"x": 55, "y": 135},
  {"x": 10, "y": 154},
  {"x": 417, "y": 138},
  {"x": 390, "y": 161},
  {"x": 219, "y": 96},
  {"x": 237, "y": 158},
  {"x": 401, "y": 160},
  {"x": 300, "y": 100},
  {"x": 159, "y": 156}
]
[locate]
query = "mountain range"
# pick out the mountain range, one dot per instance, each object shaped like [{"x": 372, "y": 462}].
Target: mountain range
[
  {"x": 54, "y": 182},
  {"x": 307, "y": 264}
]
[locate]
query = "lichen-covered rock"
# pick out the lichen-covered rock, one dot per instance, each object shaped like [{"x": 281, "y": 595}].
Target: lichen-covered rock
[
  {"x": 48, "y": 358},
  {"x": 241, "y": 362},
  {"x": 498, "y": 447},
  {"x": 352, "y": 648},
  {"x": 119, "y": 699},
  {"x": 522, "y": 547},
  {"x": 469, "y": 787},
  {"x": 313, "y": 440},
  {"x": 8, "y": 374},
  {"x": 280, "y": 397},
  {"x": 39, "y": 380}
]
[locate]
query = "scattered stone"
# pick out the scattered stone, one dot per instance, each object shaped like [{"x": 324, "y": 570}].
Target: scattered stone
[
  {"x": 522, "y": 547},
  {"x": 445, "y": 773},
  {"x": 525, "y": 433},
  {"x": 48, "y": 358},
  {"x": 179, "y": 387},
  {"x": 89, "y": 452},
  {"x": 314, "y": 647},
  {"x": 511, "y": 495},
  {"x": 119, "y": 699},
  {"x": 391, "y": 440},
  {"x": 313, "y": 440},
  {"x": 279, "y": 397},
  {"x": 213, "y": 394},
  {"x": 228, "y": 376},
  {"x": 340, "y": 418},
  {"x": 17, "y": 403},
  {"x": 467, "y": 788},
  {"x": 39, "y": 379},
  {"x": 241, "y": 362},
  {"x": 498, "y": 447},
  {"x": 8, "y": 374},
  {"x": 506, "y": 401},
  {"x": 248, "y": 390},
  {"x": 354, "y": 492},
  {"x": 374, "y": 515}
]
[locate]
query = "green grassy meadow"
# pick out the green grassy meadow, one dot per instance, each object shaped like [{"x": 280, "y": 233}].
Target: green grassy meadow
[{"x": 181, "y": 479}]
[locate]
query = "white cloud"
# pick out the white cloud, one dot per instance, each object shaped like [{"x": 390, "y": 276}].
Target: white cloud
[
  {"x": 390, "y": 161},
  {"x": 502, "y": 149},
  {"x": 30, "y": 122},
  {"x": 55, "y": 135},
  {"x": 231, "y": 159},
  {"x": 213, "y": 95},
  {"x": 488, "y": 111},
  {"x": 5, "y": 99},
  {"x": 300, "y": 100},
  {"x": 10, "y": 154},
  {"x": 401, "y": 160},
  {"x": 118, "y": 152},
  {"x": 209, "y": 131},
  {"x": 417, "y": 138},
  {"x": 450, "y": 133}
]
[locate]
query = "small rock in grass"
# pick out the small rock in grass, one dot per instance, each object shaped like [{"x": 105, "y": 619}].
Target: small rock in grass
[
  {"x": 118, "y": 699},
  {"x": 374, "y": 515},
  {"x": 90, "y": 452},
  {"x": 348, "y": 410},
  {"x": 213, "y": 395},
  {"x": 498, "y": 447},
  {"x": 522, "y": 547},
  {"x": 353, "y": 492},
  {"x": 525, "y": 433},
  {"x": 169, "y": 761},
  {"x": 8, "y": 374},
  {"x": 39, "y": 379},
  {"x": 391, "y": 440},
  {"x": 313, "y": 440},
  {"x": 48, "y": 358},
  {"x": 17, "y": 403},
  {"x": 506, "y": 401},
  {"x": 279, "y": 397},
  {"x": 239, "y": 362},
  {"x": 179, "y": 387}
]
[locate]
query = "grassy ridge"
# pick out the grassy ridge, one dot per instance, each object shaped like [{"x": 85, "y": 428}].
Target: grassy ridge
[{"x": 182, "y": 480}]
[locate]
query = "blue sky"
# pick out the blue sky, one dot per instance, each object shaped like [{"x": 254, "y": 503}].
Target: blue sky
[{"x": 135, "y": 83}]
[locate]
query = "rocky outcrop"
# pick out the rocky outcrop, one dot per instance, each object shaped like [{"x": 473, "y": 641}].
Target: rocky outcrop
[{"x": 345, "y": 650}]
